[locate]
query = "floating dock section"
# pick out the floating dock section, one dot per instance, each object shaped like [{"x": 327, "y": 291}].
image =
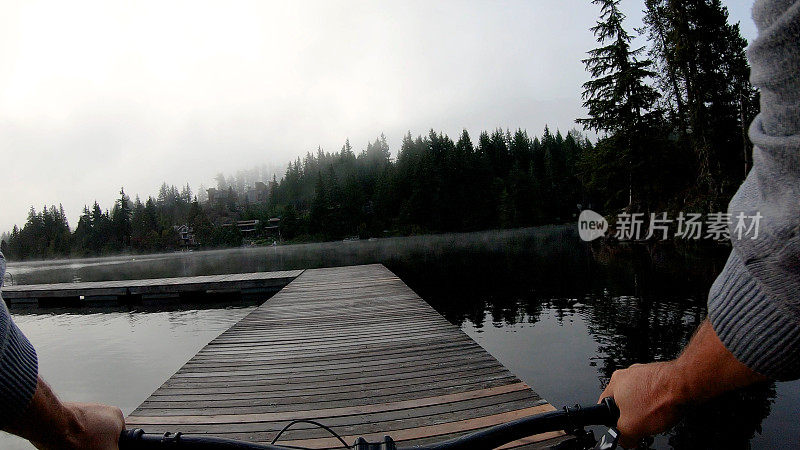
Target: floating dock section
[
  {"x": 151, "y": 290},
  {"x": 353, "y": 348}
]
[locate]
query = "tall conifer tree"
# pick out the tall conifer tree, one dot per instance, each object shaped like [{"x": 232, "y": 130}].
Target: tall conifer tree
[{"x": 619, "y": 99}]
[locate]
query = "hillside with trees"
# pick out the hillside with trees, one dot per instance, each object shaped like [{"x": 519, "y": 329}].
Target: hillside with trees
[{"x": 672, "y": 123}]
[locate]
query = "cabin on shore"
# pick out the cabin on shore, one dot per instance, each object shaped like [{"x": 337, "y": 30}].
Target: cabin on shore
[
  {"x": 248, "y": 228},
  {"x": 186, "y": 236},
  {"x": 273, "y": 229}
]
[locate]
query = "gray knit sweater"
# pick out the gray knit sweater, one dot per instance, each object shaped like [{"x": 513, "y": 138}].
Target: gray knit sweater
[
  {"x": 18, "y": 364},
  {"x": 754, "y": 305}
]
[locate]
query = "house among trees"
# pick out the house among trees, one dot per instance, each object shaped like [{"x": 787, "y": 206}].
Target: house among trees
[
  {"x": 246, "y": 228},
  {"x": 273, "y": 229},
  {"x": 258, "y": 195},
  {"x": 186, "y": 237},
  {"x": 218, "y": 195}
]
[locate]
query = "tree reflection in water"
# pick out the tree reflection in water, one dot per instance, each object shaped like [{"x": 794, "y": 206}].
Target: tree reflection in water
[{"x": 640, "y": 304}]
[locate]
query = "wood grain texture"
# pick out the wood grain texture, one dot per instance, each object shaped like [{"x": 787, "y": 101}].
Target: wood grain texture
[{"x": 354, "y": 348}]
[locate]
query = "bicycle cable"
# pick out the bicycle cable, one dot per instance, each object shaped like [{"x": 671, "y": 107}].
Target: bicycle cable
[{"x": 324, "y": 427}]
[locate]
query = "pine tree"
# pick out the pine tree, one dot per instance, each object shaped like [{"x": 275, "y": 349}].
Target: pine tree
[
  {"x": 619, "y": 99},
  {"x": 618, "y": 95},
  {"x": 121, "y": 219},
  {"x": 319, "y": 207}
]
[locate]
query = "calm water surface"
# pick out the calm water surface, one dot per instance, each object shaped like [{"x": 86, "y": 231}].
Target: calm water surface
[{"x": 560, "y": 315}]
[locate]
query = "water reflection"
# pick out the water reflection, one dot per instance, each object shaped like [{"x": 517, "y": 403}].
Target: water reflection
[
  {"x": 117, "y": 355},
  {"x": 550, "y": 307},
  {"x": 639, "y": 305}
]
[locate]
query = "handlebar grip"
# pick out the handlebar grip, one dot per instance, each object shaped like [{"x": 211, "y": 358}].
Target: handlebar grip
[
  {"x": 604, "y": 413},
  {"x": 613, "y": 410},
  {"x": 127, "y": 437},
  {"x": 133, "y": 439}
]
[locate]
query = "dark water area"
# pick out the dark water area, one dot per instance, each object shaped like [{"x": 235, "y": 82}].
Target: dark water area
[{"x": 560, "y": 314}]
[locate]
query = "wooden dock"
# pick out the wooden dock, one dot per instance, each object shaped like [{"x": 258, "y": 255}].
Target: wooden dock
[
  {"x": 353, "y": 348},
  {"x": 149, "y": 290}
]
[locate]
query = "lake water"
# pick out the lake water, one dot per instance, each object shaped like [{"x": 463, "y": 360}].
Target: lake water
[{"x": 560, "y": 315}]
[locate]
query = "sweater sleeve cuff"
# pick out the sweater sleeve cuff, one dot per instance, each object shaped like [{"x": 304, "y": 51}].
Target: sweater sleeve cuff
[
  {"x": 18, "y": 370},
  {"x": 756, "y": 329}
]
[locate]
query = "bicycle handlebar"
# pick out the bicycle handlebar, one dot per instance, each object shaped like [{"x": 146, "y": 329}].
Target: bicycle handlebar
[
  {"x": 568, "y": 419},
  {"x": 605, "y": 413},
  {"x": 137, "y": 439}
]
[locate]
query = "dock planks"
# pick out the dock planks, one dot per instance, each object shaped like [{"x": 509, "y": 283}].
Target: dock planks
[
  {"x": 150, "y": 289},
  {"x": 351, "y": 347}
]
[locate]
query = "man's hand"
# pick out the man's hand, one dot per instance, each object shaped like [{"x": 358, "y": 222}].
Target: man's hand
[
  {"x": 50, "y": 424},
  {"x": 650, "y": 396},
  {"x": 100, "y": 425},
  {"x": 647, "y": 399}
]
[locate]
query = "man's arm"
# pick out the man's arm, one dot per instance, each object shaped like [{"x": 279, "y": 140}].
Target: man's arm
[
  {"x": 753, "y": 330},
  {"x": 30, "y": 409},
  {"x": 651, "y": 396},
  {"x": 50, "y": 424}
]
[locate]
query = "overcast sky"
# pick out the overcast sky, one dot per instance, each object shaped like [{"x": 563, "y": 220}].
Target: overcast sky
[{"x": 99, "y": 95}]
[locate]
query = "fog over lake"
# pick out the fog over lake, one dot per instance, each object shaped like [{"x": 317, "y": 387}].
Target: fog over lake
[{"x": 560, "y": 315}]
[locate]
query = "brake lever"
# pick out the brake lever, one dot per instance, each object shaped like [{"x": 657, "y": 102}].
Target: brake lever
[{"x": 608, "y": 441}]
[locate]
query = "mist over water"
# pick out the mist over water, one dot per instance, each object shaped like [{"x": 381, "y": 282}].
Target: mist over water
[
  {"x": 555, "y": 241},
  {"x": 560, "y": 314}
]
